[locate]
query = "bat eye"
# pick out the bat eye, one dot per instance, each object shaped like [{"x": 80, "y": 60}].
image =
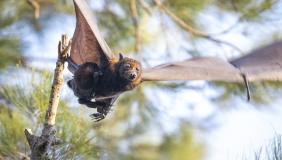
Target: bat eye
[{"x": 127, "y": 66}]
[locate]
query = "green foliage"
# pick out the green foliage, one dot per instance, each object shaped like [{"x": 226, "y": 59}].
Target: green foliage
[
  {"x": 187, "y": 10},
  {"x": 119, "y": 25},
  {"x": 9, "y": 52},
  {"x": 119, "y": 29},
  {"x": 248, "y": 9},
  {"x": 12, "y": 139},
  {"x": 182, "y": 145},
  {"x": 21, "y": 13},
  {"x": 14, "y": 11},
  {"x": 11, "y": 11},
  {"x": 261, "y": 92},
  {"x": 30, "y": 107}
]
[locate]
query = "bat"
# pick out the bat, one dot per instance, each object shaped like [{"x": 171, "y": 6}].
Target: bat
[{"x": 100, "y": 77}]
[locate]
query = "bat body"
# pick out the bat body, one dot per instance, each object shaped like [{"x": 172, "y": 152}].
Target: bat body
[
  {"x": 118, "y": 76},
  {"x": 104, "y": 84},
  {"x": 101, "y": 77}
]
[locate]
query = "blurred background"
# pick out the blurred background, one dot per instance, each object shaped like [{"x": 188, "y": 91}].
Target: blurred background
[{"x": 195, "y": 120}]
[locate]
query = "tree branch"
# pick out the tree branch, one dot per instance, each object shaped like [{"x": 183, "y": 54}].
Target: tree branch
[
  {"x": 146, "y": 7},
  {"x": 134, "y": 15},
  {"x": 41, "y": 146},
  {"x": 191, "y": 30},
  {"x": 58, "y": 80},
  {"x": 36, "y": 6}
]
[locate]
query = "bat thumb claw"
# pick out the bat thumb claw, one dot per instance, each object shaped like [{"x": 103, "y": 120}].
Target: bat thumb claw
[{"x": 246, "y": 82}]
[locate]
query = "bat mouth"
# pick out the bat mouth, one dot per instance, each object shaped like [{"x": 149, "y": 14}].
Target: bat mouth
[{"x": 129, "y": 75}]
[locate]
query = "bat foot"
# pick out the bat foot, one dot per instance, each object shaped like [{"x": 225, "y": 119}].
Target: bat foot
[
  {"x": 97, "y": 117},
  {"x": 102, "y": 113}
]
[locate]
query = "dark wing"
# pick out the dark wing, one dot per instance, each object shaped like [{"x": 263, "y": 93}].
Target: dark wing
[
  {"x": 262, "y": 64},
  {"x": 87, "y": 43}
]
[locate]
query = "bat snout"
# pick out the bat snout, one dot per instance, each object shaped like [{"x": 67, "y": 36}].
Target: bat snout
[{"x": 132, "y": 76}]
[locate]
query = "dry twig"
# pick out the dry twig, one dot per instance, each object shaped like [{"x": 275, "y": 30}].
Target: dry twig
[
  {"x": 41, "y": 145},
  {"x": 36, "y": 6},
  {"x": 146, "y": 6}
]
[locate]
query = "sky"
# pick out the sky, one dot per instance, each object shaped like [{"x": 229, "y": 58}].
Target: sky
[{"x": 237, "y": 132}]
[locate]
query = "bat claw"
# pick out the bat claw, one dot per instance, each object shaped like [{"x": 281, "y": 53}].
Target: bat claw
[
  {"x": 246, "y": 82},
  {"x": 99, "y": 119},
  {"x": 102, "y": 113},
  {"x": 97, "y": 116}
]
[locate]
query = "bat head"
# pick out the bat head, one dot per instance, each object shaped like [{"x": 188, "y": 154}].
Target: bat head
[{"x": 129, "y": 69}]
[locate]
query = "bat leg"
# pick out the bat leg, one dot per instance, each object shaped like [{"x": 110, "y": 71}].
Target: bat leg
[
  {"x": 102, "y": 111},
  {"x": 97, "y": 117}
]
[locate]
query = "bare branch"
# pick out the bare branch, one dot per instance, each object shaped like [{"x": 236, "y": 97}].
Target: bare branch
[
  {"x": 145, "y": 6},
  {"x": 36, "y": 6},
  {"x": 134, "y": 15},
  {"x": 54, "y": 98},
  {"x": 228, "y": 29},
  {"x": 40, "y": 145}
]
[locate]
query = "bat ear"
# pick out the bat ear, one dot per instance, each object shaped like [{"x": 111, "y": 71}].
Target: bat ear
[{"x": 120, "y": 57}]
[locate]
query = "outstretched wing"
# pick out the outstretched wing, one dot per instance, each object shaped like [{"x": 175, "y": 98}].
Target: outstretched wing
[
  {"x": 261, "y": 64},
  {"x": 87, "y": 43},
  {"x": 193, "y": 69}
]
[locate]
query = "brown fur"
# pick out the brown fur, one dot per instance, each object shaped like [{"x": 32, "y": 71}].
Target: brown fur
[
  {"x": 104, "y": 84},
  {"x": 113, "y": 80}
]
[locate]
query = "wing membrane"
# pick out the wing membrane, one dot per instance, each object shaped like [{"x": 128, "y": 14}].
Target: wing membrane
[
  {"x": 260, "y": 65},
  {"x": 193, "y": 69},
  {"x": 87, "y": 44}
]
